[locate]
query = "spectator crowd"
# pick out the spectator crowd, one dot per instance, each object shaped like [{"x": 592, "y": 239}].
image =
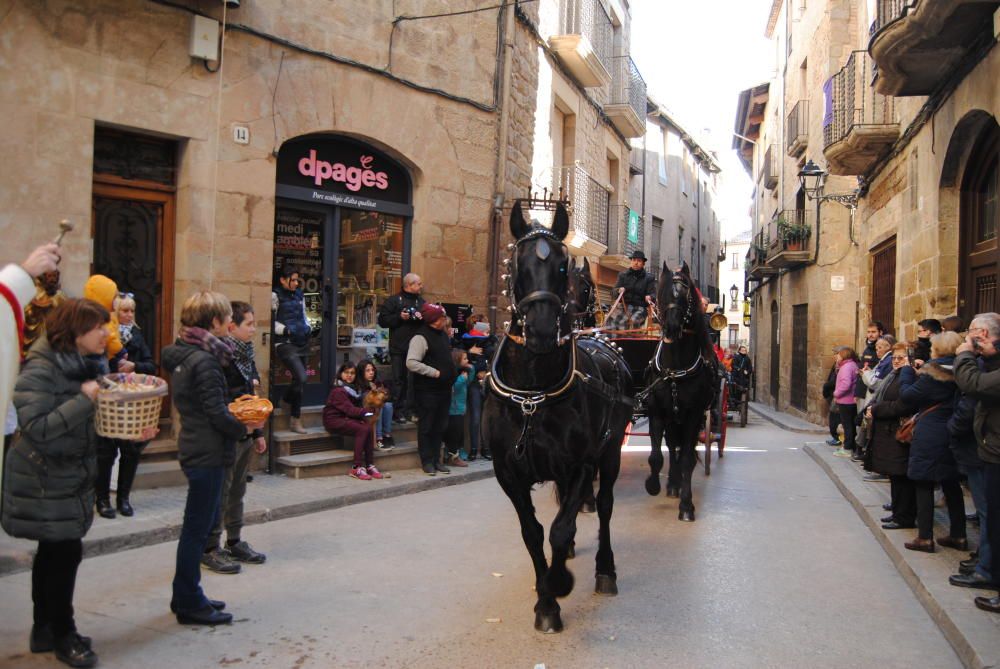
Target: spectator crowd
[{"x": 925, "y": 416}]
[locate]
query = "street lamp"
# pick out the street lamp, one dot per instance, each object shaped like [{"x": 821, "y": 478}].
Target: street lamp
[
  {"x": 813, "y": 179},
  {"x": 734, "y": 292}
]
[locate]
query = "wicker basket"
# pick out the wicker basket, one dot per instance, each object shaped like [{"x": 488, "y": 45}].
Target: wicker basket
[
  {"x": 251, "y": 409},
  {"x": 127, "y": 404}
]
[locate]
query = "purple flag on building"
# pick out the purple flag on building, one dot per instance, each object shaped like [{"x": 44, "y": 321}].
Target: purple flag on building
[{"x": 828, "y": 102}]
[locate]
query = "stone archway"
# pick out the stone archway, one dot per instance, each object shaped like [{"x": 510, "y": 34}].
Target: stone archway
[{"x": 968, "y": 212}]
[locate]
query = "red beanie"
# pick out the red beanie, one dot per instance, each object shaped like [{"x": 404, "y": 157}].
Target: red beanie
[{"x": 432, "y": 313}]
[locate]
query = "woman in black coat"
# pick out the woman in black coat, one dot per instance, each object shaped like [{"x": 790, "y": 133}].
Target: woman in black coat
[
  {"x": 134, "y": 357},
  {"x": 931, "y": 460},
  {"x": 890, "y": 457},
  {"x": 48, "y": 494}
]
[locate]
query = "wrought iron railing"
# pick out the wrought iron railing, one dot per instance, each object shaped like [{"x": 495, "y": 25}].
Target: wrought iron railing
[
  {"x": 589, "y": 199},
  {"x": 797, "y": 128},
  {"x": 589, "y": 18},
  {"x": 759, "y": 249},
  {"x": 769, "y": 167},
  {"x": 618, "y": 238},
  {"x": 853, "y": 102},
  {"x": 887, "y": 12},
  {"x": 627, "y": 86},
  {"x": 792, "y": 228}
]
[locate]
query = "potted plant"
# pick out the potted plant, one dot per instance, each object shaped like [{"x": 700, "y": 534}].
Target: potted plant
[{"x": 793, "y": 235}]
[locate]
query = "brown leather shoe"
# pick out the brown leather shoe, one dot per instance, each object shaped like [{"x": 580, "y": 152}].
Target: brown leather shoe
[
  {"x": 991, "y": 604},
  {"x": 958, "y": 543},
  {"x": 918, "y": 544}
]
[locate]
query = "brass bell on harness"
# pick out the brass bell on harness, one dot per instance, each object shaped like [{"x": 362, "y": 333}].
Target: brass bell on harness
[
  {"x": 505, "y": 277},
  {"x": 510, "y": 247},
  {"x": 504, "y": 292}
]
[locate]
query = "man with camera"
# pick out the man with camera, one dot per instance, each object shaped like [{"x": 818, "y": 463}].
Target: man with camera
[
  {"x": 400, "y": 314},
  {"x": 981, "y": 383}
]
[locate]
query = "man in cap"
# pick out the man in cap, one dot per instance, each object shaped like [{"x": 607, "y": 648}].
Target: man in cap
[
  {"x": 637, "y": 288},
  {"x": 429, "y": 359}
]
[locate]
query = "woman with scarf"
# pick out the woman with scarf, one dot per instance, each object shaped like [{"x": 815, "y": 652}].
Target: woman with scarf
[
  {"x": 888, "y": 456},
  {"x": 343, "y": 414},
  {"x": 137, "y": 352},
  {"x": 48, "y": 495},
  {"x": 206, "y": 444},
  {"x": 241, "y": 379}
]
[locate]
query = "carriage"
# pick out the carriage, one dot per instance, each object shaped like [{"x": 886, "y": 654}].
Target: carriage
[{"x": 639, "y": 346}]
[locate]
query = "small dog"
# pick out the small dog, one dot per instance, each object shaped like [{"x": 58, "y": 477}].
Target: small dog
[{"x": 375, "y": 399}]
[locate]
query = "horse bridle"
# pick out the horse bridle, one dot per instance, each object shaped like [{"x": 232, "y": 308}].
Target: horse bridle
[
  {"x": 518, "y": 308},
  {"x": 689, "y": 312},
  {"x": 591, "y": 305}
]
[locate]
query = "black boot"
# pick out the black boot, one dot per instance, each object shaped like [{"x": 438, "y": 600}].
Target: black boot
[
  {"x": 127, "y": 466},
  {"x": 73, "y": 651},
  {"x": 104, "y": 508}
]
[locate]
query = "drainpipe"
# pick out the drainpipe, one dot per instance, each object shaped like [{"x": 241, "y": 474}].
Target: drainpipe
[{"x": 496, "y": 219}]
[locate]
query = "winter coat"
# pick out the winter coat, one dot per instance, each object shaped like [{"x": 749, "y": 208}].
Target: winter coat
[
  {"x": 889, "y": 456},
  {"x": 930, "y": 452},
  {"x": 961, "y": 427},
  {"x": 48, "y": 492},
  {"x": 137, "y": 352},
  {"x": 922, "y": 349},
  {"x": 984, "y": 387},
  {"x": 290, "y": 323},
  {"x": 830, "y": 384},
  {"x": 869, "y": 356},
  {"x": 638, "y": 286},
  {"x": 342, "y": 412},
  {"x": 459, "y": 393},
  {"x": 400, "y": 331},
  {"x": 209, "y": 431},
  {"x": 847, "y": 372}
]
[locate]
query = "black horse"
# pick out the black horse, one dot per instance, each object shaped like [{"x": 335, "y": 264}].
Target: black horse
[
  {"x": 680, "y": 385},
  {"x": 556, "y": 409}
]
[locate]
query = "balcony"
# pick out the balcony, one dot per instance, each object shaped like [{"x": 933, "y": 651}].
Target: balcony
[
  {"x": 863, "y": 124},
  {"x": 636, "y": 156},
  {"x": 588, "y": 211},
  {"x": 624, "y": 237},
  {"x": 584, "y": 42},
  {"x": 793, "y": 243},
  {"x": 626, "y": 105},
  {"x": 916, "y": 44},
  {"x": 797, "y": 129},
  {"x": 769, "y": 168},
  {"x": 757, "y": 264}
]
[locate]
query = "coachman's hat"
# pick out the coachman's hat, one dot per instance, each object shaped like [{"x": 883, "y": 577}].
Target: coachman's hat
[{"x": 638, "y": 255}]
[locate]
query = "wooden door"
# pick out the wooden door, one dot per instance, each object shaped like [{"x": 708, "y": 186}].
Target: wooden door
[
  {"x": 775, "y": 354},
  {"x": 133, "y": 232},
  {"x": 979, "y": 225}
]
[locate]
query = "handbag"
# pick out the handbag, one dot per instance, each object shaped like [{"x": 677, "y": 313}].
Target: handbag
[{"x": 904, "y": 434}]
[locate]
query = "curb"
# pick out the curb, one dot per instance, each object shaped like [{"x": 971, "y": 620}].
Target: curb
[
  {"x": 107, "y": 545},
  {"x": 768, "y": 416},
  {"x": 951, "y": 628}
]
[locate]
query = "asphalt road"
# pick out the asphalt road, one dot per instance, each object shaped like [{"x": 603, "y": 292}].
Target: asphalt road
[{"x": 778, "y": 571}]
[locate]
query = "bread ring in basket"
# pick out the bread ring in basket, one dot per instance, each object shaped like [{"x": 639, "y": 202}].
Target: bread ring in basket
[{"x": 250, "y": 409}]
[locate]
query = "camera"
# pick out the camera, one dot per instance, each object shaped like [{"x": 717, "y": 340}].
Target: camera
[{"x": 412, "y": 311}]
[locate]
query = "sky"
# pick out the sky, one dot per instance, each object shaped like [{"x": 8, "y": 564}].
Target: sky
[{"x": 696, "y": 57}]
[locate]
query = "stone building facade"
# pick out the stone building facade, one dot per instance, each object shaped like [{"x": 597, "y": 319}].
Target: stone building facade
[{"x": 896, "y": 103}]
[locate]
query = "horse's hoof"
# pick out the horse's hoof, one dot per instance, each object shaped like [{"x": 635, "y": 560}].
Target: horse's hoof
[
  {"x": 588, "y": 507},
  {"x": 673, "y": 492},
  {"x": 653, "y": 485},
  {"x": 606, "y": 585},
  {"x": 686, "y": 516},
  {"x": 548, "y": 623}
]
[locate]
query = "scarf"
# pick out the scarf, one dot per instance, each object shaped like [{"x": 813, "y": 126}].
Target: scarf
[
  {"x": 125, "y": 333},
  {"x": 350, "y": 390},
  {"x": 207, "y": 341},
  {"x": 243, "y": 357}
]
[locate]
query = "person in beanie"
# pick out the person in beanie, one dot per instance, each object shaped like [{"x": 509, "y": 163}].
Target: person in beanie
[
  {"x": 400, "y": 314},
  {"x": 242, "y": 378},
  {"x": 637, "y": 288},
  {"x": 429, "y": 359}
]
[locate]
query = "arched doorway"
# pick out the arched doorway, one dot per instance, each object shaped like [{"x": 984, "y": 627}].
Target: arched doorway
[
  {"x": 342, "y": 219},
  {"x": 968, "y": 204},
  {"x": 775, "y": 354}
]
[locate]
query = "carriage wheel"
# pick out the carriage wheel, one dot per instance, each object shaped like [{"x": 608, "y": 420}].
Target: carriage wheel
[{"x": 708, "y": 442}]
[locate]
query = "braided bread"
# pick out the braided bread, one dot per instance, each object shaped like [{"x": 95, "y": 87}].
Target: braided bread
[{"x": 251, "y": 409}]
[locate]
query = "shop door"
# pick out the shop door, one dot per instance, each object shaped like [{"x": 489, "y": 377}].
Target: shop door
[{"x": 134, "y": 245}]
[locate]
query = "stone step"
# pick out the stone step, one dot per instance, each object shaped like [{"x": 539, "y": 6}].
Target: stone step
[
  {"x": 159, "y": 475},
  {"x": 339, "y": 462}
]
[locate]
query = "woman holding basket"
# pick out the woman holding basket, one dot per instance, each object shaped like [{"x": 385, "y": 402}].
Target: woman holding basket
[{"x": 49, "y": 490}]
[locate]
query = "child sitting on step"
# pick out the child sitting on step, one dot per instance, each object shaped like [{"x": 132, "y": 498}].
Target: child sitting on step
[{"x": 343, "y": 414}]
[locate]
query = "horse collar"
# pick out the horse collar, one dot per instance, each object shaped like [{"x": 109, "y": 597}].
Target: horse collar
[
  {"x": 530, "y": 400},
  {"x": 673, "y": 374}
]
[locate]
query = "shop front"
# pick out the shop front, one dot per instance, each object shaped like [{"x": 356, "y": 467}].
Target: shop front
[{"x": 342, "y": 219}]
